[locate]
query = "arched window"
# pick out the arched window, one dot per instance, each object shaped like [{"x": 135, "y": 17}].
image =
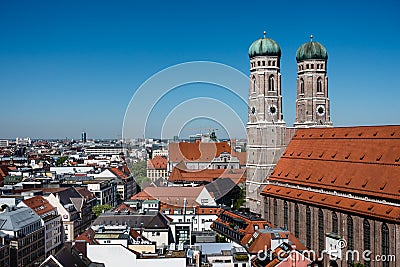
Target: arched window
[
  {"x": 321, "y": 234},
  {"x": 285, "y": 215},
  {"x": 254, "y": 84},
  {"x": 296, "y": 220},
  {"x": 308, "y": 227},
  {"x": 350, "y": 239},
  {"x": 275, "y": 212},
  {"x": 319, "y": 85},
  {"x": 334, "y": 223},
  {"x": 367, "y": 240},
  {"x": 301, "y": 86},
  {"x": 385, "y": 244},
  {"x": 271, "y": 83}
]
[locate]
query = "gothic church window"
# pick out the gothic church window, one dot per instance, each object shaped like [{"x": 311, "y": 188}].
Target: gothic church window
[
  {"x": 296, "y": 220},
  {"x": 319, "y": 85},
  {"x": 285, "y": 215},
  {"x": 308, "y": 227},
  {"x": 301, "y": 86},
  {"x": 385, "y": 244},
  {"x": 321, "y": 235},
  {"x": 367, "y": 240},
  {"x": 271, "y": 83},
  {"x": 334, "y": 223}
]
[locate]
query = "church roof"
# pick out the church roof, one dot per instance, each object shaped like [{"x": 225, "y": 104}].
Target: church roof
[
  {"x": 311, "y": 50},
  {"x": 196, "y": 151},
  {"x": 264, "y": 47},
  {"x": 363, "y": 162}
]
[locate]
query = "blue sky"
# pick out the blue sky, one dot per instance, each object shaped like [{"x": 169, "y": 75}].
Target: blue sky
[{"x": 68, "y": 66}]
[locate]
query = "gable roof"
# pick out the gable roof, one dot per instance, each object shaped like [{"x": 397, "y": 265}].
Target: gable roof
[
  {"x": 221, "y": 187},
  {"x": 17, "y": 218},
  {"x": 196, "y": 151},
  {"x": 122, "y": 173},
  {"x": 157, "y": 163},
  {"x": 39, "y": 204},
  {"x": 175, "y": 195}
]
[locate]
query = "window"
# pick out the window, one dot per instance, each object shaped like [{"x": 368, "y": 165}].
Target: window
[
  {"x": 271, "y": 83},
  {"x": 285, "y": 215},
  {"x": 258, "y": 63},
  {"x": 296, "y": 220},
  {"x": 334, "y": 223},
  {"x": 275, "y": 212},
  {"x": 312, "y": 66},
  {"x": 319, "y": 85},
  {"x": 385, "y": 244},
  {"x": 350, "y": 239},
  {"x": 263, "y": 63},
  {"x": 254, "y": 84},
  {"x": 367, "y": 240},
  {"x": 308, "y": 227},
  {"x": 301, "y": 86},
  {"x": 321, "y": 235}
]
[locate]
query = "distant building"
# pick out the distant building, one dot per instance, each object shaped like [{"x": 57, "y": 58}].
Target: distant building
[
  {"x": 105, "y": 150},
  {"x": 157, "y": 168},
  {"x": 4, "y": 143},
  {"x": 83, "y": 137}
]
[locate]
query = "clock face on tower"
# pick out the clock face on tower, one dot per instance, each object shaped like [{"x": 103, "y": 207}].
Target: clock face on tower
[
  {"x": 320, "y": 110},
  {"x": 272, "y": 109}
]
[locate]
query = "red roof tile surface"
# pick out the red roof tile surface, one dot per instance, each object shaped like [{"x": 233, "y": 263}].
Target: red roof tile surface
[
  {"x": 39, "y": 205},
  {"x": 157, "y": 163},
  {"x": 197, "y": 151},
  {"x": 207, "y": 175}
]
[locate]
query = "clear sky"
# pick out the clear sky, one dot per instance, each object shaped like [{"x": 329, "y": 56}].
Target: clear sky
[{"x": 68, "y": 66}]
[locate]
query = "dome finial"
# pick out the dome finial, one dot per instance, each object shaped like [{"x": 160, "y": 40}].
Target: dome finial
[
  {"x": 265, "y": 33},
  {"x": 311, "y": 37}
]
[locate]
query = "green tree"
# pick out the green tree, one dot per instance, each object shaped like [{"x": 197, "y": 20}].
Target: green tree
[
  {"x": 60, "y": 161},
  {"x": 240, "y": 200},
  {"x": 139, "y": 171},
  {"x": 98, "y": 209}
]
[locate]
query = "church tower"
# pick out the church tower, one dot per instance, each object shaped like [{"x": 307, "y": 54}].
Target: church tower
[
  {"x": 266, "y": 129},
  {"x": 312, "y": 104}
]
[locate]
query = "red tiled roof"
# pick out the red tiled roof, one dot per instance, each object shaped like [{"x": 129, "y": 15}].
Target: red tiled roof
[
  {"x": 88, "y": 236},
  {"x": 158, "y": 163},
  {"x": 121, "y": 173},
  {"x": 171, "y": 195},
  {"x": 39, "y": 205},
  {"x": 264, "y": 239},
  {"x": 206, "y": 175},
  {"x": 367, "y": 208},
  {"x": 123, "y": 208},
  {"x": 357, "y": 160},
  {"x": 85, "y": 193},
  {"x": 197, "y": 151}
]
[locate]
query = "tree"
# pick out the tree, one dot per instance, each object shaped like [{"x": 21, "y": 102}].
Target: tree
[
  {"x": 139, "y": 171},
  {"x": 60, "y": 161},
  {"x": 98, "y": 209}
]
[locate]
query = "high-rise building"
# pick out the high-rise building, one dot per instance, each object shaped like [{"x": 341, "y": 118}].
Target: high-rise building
[{"x": 84, "y": 137}]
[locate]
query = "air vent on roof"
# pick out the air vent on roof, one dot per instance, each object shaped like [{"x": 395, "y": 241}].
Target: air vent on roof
[
  {"x": 321, "y": 135},
  {"x": 334, "y": 180},
  {"x": 333, "y": 135},
  {"x": 347, "y": 157},
  {"x": 392, "y": 133},
  {"x": 302, "y": 135},
  {"x": 362, "y": 157},
  {"x": 288, "y": 192},
  {"x": 321, "y": 155},
  {"x": 397, "y": 160},
  {"x": 359, "y": 134},
  {"x": 297, "y": 175},
  {"x": 346, "y": 134},
  {"x": 348, "y": 181},
  {"x": 334, "y": 155},
  {"x": 383, "y": 186},
  {"x": 308, "y": 177},
  {"x": 375, "y": 133},
  {"x": 353, "y": 204},
  {"x": 298, "y": 154},
  {"x": 320, "y": 179},
  {"x": 287, "y": 174},
  {"x": 323, "y": 199},
  {"x": 309, "y": 155},
  {"x": 310, "y": 135},
  {"x": 298, "y": 194},
  {"x": 337, "y": 202},
  {"x": 310, "y": 197},
  {"x": 379, "y": 157},
  {"x": 389, "y": 210},
  {"x": 365, "y": 183}
]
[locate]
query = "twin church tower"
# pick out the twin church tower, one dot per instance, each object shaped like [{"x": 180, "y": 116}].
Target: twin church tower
[{"x": 267, "y": 134}]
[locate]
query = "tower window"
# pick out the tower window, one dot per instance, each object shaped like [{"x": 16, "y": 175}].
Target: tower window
[
  {"x": 307, "y": 66},
  {"x": 301, "y": 86},
  {"x": 273, "y": 63},
  {"x": 258, "y": 63},
  {"x": 319, "y": 85},
  {"x": 271, "y": 83},
  {"x": 312, "y": 66},
  {"x": 263, "y": 63},
  {"x": 322, "y": 66},
  {"x": 254, "y": 84},
  {"x": 269, "y": 62}
]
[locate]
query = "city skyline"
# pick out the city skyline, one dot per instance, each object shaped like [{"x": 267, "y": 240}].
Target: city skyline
[{"x": 70, "y": 66}]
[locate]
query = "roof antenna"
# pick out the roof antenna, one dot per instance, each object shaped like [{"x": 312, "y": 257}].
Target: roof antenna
[
  {"x": 311, "y": 37},
  {"x": 265, "y": 33}
]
